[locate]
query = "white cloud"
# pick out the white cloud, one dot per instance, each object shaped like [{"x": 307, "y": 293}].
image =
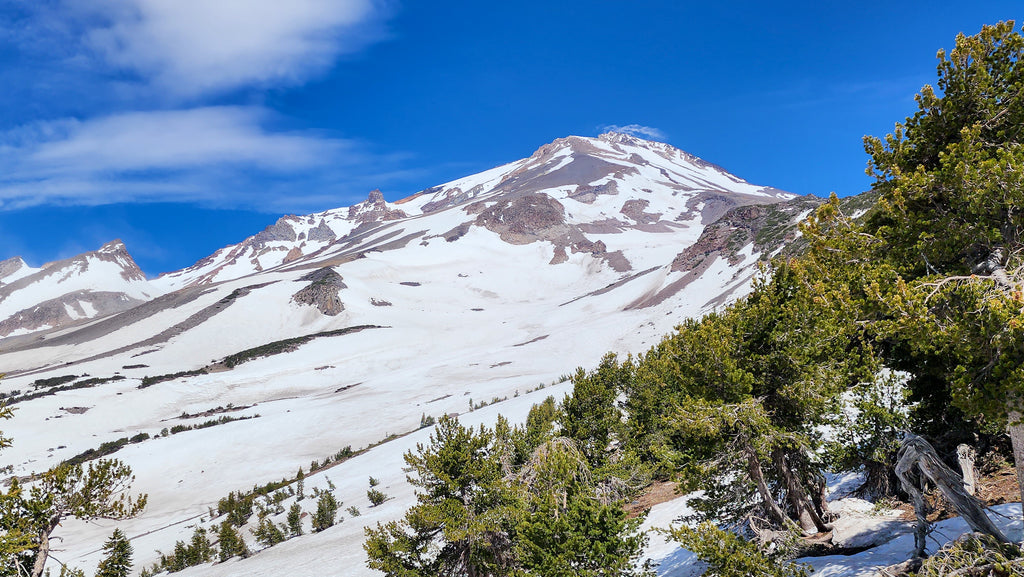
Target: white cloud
[
  {"x": 180, "y": 56},
  {"x": 637, "y": 130},
  {"x": 194, "y": 47},
  {"x": 195, "y": 154},
  {"x": 177, "y": 139}
]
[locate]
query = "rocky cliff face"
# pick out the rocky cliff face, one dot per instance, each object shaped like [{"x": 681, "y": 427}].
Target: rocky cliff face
[{"x": 374, "y": 209}]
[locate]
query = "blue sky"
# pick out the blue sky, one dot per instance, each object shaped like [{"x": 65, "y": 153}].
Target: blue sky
[{"x": 184, "y": 125}]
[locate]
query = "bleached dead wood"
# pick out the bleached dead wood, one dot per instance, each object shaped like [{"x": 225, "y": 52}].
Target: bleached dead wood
[
  {"x": 918, "y": 463},
  {"x": 965, "y": 455}
]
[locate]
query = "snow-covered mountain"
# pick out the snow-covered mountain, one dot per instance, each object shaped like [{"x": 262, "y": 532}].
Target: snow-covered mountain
[
  {"x": 476, "y": 290},
  {"x": 87, "y": 286},
  {"x": 567, "y": 191}
]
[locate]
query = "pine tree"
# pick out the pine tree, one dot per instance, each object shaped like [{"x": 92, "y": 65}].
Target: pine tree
[
  {"x": 729, "y": 555},
  {"x": 117, "y": 561},
  {"x": 267, "y": 533},
  {"x": 464, "y": 514},
  {"x": 565, "y": 530},
  {"x": 300, "y": 485},
  {"x": 231, "y": 543},
  {"x": 96, "y": 491},
  {"x": 735, "y": 400},
  {"x": 376, "y": 496},
  {"x": 199, "y": 549},
  {"x": 589, "y": 415},
  {"x": 16, "y": 530},
  {"x": 295, "y": 520},
  {"x": 946, "y": 241},
  {"x": 326, "y": 511}
]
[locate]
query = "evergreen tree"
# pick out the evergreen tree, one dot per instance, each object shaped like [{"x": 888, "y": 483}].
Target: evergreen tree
[
  {"x": 295, "y": 520},
  {"x": 867, "y": 431},
  {"x": 589, "y": 415},
  {"x": 464, "y": 514},
  {"x": 735, "y": 400},
  {"x": 200, "y": 550},
  {"x": 326, "y": 511},
  {"x": 117, "y": 561},
  {"x": 267, "y": 533},
  {"x": 231, "y": 543},
  {"x": 16, "y": 527},
  {"x": 96, "y": 491},
  {"x": 565, "y": 530},
  {"x": 376, "y": 496},
  {"x": 729, "y": 555},
  {"x": 946, "y": 241}
]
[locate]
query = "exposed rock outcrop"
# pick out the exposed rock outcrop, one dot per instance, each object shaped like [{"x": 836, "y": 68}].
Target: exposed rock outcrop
[
  {"x": 322, "y": 291},
  {"x": 322, "y": 233},
  {"x": 374, "y": 209},
  {"x": 66, "y": 310},
  {"x": 768, "y": 227},
  {"x": 279, "y": 231},
  {"x": 525, "y": 219},
  {"x": 10, "y": 266},
  {"x": 635, "y": 209},
  {"x": 452, "y": 197}
]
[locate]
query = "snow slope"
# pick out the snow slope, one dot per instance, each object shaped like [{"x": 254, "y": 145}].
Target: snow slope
[{"x": 480, "y": 289}]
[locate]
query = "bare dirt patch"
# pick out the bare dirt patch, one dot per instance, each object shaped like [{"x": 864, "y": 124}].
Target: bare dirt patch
[{"x": 655, "y": 494}]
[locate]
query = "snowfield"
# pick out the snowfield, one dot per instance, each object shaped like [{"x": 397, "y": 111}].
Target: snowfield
[{"x": 577, "y": 257}]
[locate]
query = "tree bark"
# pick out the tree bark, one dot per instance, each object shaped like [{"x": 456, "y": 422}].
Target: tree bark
[
  {"x": 757, "y": 475},
  {"x": 44, "y": 551},
  {"x": 806, "y": 513},
  {"x": 1016, "y": 430}
]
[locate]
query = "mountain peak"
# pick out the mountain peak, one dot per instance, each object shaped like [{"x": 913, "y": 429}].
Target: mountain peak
[
  {"x": 112, "y": 247},
  {"x": 623, "y": 138}
]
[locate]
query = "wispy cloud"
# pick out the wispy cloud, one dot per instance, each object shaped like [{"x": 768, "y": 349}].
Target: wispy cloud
[
  {"x": 204, "y": 154},
  {"x": 197, "y": 47},
  {"x": 154, "y": 133},
  {"x": 636, "y": 130},
  {"x": 177, "y": 139}
]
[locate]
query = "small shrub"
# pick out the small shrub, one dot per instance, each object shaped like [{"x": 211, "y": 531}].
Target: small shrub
[
  {"x": 376, "y": 497},
  {"x": 974, "y": 554},
  {"x": 267, "y": 533}
]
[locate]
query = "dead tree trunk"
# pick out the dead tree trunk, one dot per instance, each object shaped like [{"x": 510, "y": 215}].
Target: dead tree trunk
[
  {"x": 965, "y": 455},
  {"x": 917, "y": 453}
]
